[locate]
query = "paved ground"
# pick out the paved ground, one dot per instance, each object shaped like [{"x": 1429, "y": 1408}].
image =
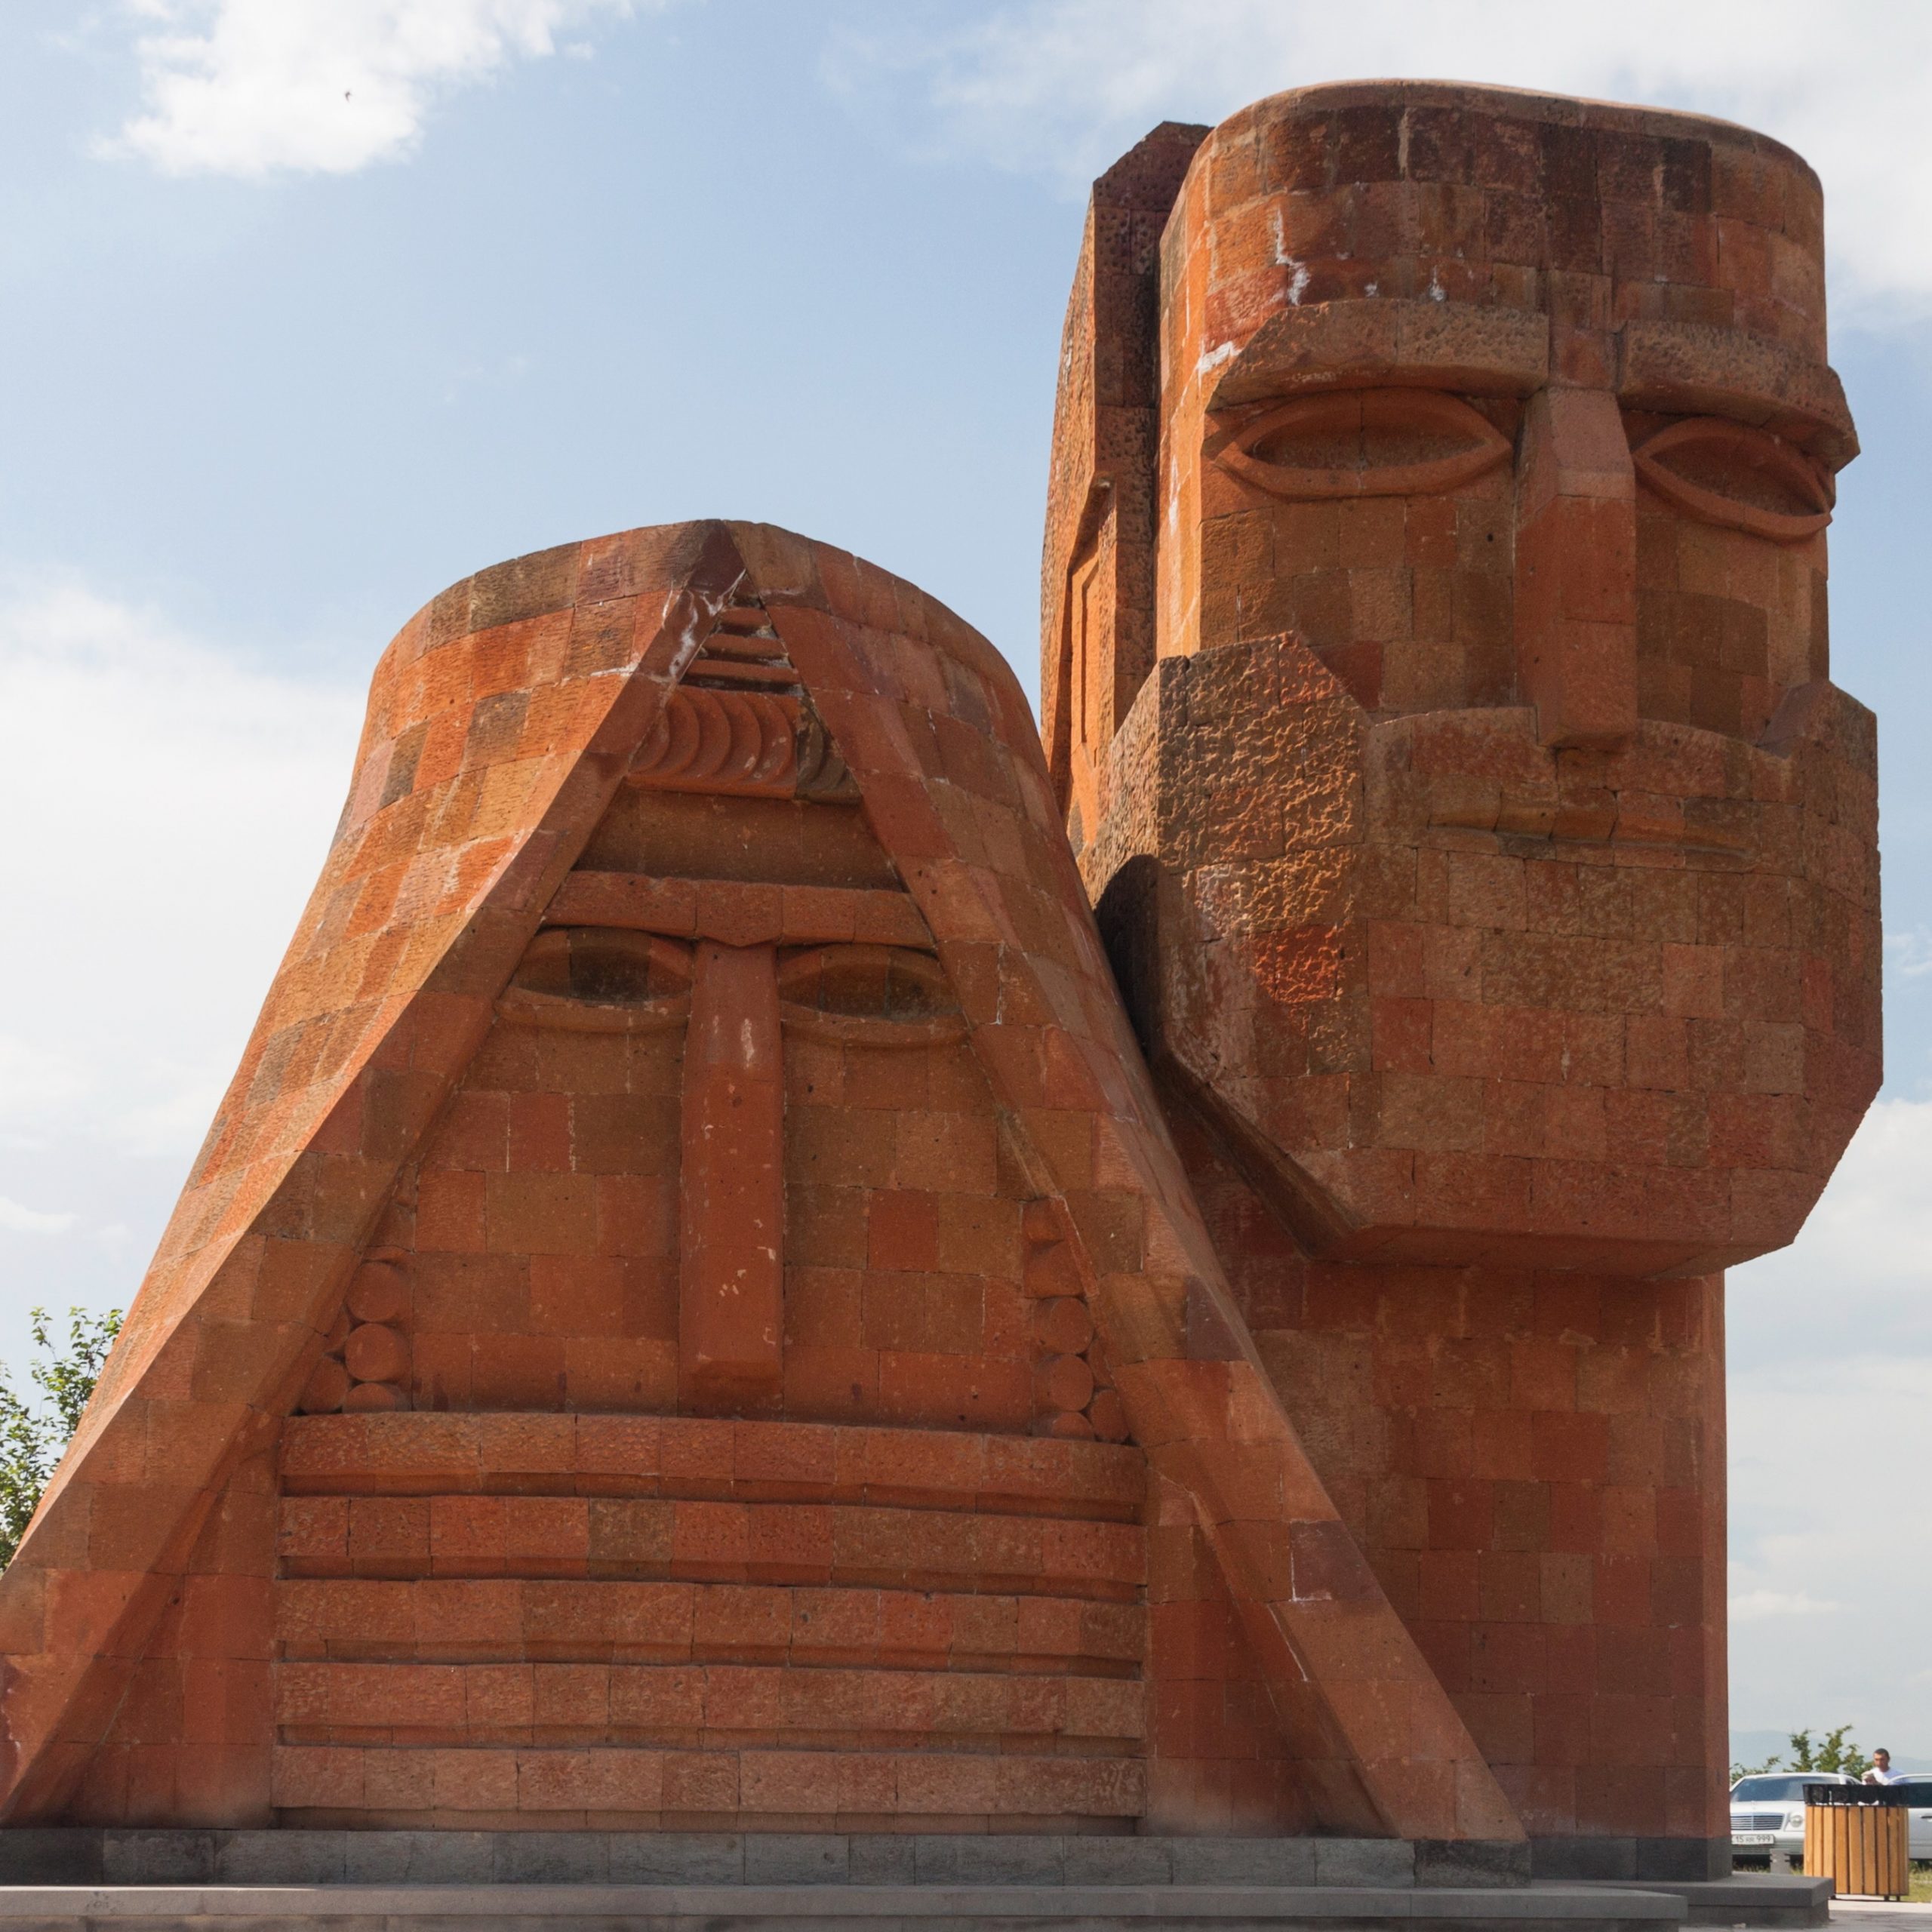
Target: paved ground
[{"x": 1881, "y": 1915}]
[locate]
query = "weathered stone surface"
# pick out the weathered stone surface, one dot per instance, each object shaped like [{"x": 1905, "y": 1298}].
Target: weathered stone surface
[
  {"x": 696, "y": 1350},
  {"x": 784, "y": 1389},
  {"x": 1487, "y": 861}
]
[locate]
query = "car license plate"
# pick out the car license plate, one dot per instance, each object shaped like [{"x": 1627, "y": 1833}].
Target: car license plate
[{"x": 1754, "y": 1837}]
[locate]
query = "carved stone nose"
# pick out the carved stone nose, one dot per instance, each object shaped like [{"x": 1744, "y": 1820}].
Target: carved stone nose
[
  {"x": 731, "y": 1299},
  {"x": 1576, "y": 569}
]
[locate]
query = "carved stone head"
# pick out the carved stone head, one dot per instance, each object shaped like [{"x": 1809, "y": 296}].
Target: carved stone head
[
  {"x": 1436, "y": 674},
  {"x": 691, "y": 1202}
]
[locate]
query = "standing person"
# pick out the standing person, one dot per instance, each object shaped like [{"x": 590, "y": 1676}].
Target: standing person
[{"x": 1881, "y": 1771}]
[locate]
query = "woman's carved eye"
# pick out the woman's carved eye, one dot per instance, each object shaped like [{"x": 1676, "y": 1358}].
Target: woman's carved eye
[
  {"x": 1363, "y": 443},
  {"x": 875, "y": 995},
  {"x": 1745, "y": 479},
  {"x": 600, "y": 980}
]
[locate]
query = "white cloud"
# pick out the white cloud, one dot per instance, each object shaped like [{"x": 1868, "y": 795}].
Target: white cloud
[
  {"x": 1861, "y": 1263},
  {"x": 1067, "y": 85},
  {"x": 1909, "y": 955},
  {"x": 1830, "y": 1565},
  {"x": 1830, "y": 1432},
  {"x": 1752, "y": 1606},
  {"x": 33, "y": 1079},
  {"x": 259, "y": 86},
  {"x": 18, "y": 1220},
  {"x": 167, "y": 807}
]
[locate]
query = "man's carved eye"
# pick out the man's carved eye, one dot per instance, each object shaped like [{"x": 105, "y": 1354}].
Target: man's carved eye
[
  {"x": 1745, "y": 479},
  {"x": 600, "y": 980},
  {"x": 873, "y": 996},
  {"x": 1363, "y": 443}
]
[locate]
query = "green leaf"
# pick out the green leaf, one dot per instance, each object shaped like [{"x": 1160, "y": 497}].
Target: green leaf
[{"x": 33, "y": 1435}]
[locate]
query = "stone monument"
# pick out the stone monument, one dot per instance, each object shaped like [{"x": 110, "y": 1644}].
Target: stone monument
[
  {"x": 689, "y": 1317},
  {"x": 1436, "y": 687},
  {"x": 697, "y": 1314}
]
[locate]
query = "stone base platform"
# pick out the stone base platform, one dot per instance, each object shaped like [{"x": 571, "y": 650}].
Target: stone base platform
[
  {"x": 116, "y": 1857},
  {"x": 1745, "y": 1898},
  {"x": 746, "y": 1908},
  {"x": 588, "y": 1881}
]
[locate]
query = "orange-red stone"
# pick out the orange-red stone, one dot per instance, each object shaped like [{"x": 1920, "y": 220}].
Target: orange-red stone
[
  {"x": 698, "y": 1106},
  {"x": 1487, "y": 861},
  {"x": 696, "y": 1313}
]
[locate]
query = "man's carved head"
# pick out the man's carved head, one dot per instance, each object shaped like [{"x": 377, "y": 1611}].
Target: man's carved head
[{"x": 1436, "y": 670}]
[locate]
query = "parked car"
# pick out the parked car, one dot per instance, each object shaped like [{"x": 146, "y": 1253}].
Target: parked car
[
  {"x": 1768, "y": 1812},
  {"x": 1918, "y": 1787}
]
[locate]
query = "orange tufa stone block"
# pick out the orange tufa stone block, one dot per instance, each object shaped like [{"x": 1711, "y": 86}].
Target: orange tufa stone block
[
  {"x": 1453, "y": 765},
  {"x": 698, "y": 1314}
]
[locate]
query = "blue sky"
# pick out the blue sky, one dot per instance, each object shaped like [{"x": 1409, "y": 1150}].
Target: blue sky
[{"x": 278, "y": 365}]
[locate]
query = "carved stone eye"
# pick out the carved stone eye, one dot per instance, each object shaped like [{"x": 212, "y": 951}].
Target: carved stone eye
[
  {"x": 873, "y": 996},
  {"x": 600, "y": 980},
  {"x": 1363, "y": 443},
  {"x": 1748, "y": 479}
]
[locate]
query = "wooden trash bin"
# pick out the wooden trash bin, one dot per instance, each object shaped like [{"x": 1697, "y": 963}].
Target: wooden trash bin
[{"x": 1855, "y": 1835}]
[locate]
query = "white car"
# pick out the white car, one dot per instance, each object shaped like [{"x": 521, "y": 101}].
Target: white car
[
  {"x": 1768, "y": 1812},
  {"x": 1918, "y": 1787}
]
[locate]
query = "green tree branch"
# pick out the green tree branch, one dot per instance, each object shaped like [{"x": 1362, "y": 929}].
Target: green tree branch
[
  {"x": 1834, "y": 1751},
  {"x": 33, "y": 1432}
]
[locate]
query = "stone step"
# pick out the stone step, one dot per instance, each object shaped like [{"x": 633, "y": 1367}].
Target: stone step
[
  {"x": 417, "y": 1453},
  {"x": 644, "y": 1788},
  {"x": 1541, "y": 1908},
  {"x": 690, "y": 1705},
  {"x": 125, "y": 1856},
  {"x": 1745, "y": 1898},
  {"x": 510, "y": 1620},
  {"x": 876, "y": 1544}
]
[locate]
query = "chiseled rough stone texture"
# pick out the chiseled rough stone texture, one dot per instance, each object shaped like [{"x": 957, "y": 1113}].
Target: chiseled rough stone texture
[
  {"x": 841, "y": 1424},
  {"x": 694, "y": 1323},
  {"x": 1487, "y": 861}
]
